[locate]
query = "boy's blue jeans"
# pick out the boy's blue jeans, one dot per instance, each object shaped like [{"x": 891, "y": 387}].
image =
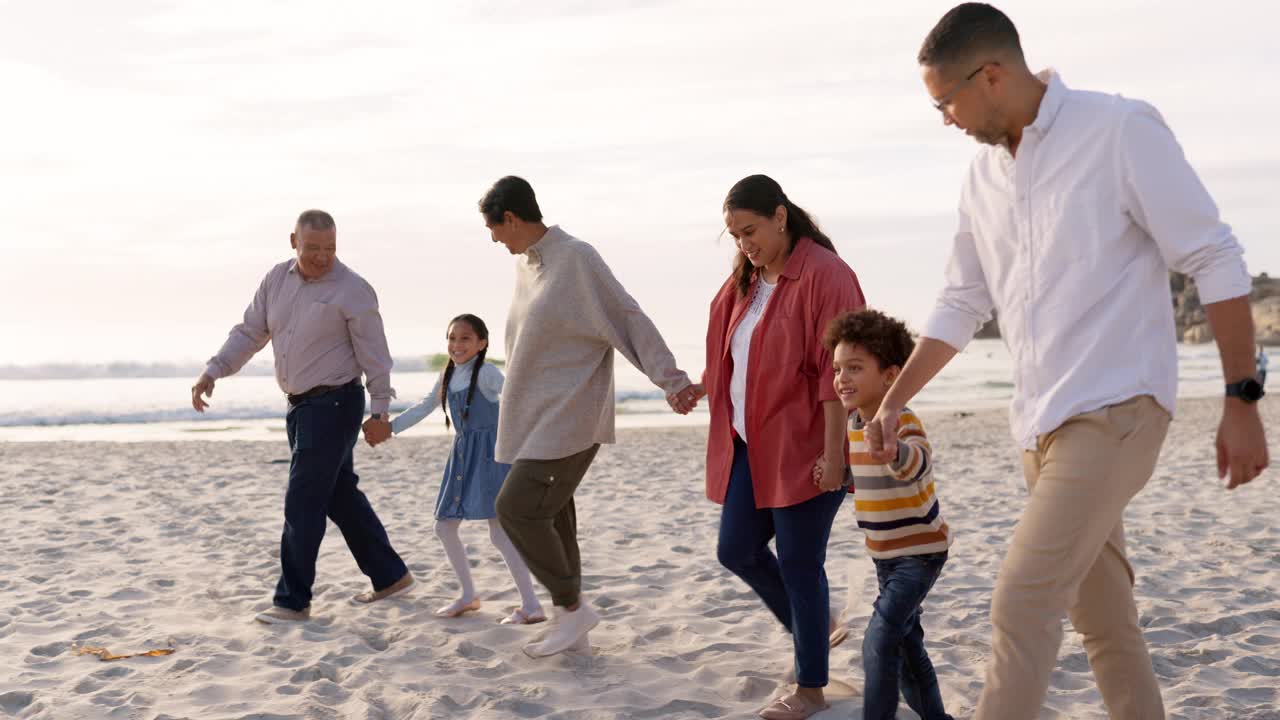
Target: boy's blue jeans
[{"x": 893, "y": 652}]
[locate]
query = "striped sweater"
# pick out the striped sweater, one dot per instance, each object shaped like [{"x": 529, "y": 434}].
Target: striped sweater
[{"x": 897, "y": 503}]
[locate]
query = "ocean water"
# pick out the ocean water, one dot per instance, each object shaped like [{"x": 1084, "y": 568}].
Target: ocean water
[{"x": 124, "y": 409}]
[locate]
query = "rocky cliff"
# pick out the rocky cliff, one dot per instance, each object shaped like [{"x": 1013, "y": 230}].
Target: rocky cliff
[
  {"x": 1188, "y": 313},
  {"x": 1193, "y": 327}
]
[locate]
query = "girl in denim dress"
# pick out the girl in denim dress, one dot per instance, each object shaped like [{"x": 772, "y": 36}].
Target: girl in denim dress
[{"x": 469, "y": 391}]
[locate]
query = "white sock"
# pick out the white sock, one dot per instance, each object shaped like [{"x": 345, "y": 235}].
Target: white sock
[
  {"x": 515, "y": 565},
  {"x": 447, "y": 531}
]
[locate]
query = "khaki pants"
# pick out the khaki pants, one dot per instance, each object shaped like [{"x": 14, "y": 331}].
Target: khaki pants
[
  {"x": 536, "y": 509},
  {"x": 1067, "y": 557}
]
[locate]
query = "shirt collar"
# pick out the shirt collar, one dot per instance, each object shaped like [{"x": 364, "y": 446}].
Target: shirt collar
[
  {"x": 1054, "y": 95},
  {"x": 799, "y": 254},
  {"x": 333, "y": 273},
  {"x": 535, "y": 255}
]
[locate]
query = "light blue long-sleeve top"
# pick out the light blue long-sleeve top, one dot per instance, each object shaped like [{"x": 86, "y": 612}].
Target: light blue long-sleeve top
[{"x": 489, "y": 383}]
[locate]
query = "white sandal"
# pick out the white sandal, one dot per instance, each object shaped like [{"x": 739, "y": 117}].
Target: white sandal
[
  {"x": 458, "y": 608},
  {"x": 520, "y": 617}
]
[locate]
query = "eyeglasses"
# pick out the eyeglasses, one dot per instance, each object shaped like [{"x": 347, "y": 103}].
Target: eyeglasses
[{"x": 945, "y": 100}]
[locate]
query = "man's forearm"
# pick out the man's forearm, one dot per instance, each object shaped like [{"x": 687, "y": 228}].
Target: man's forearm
[
  {"x": 1232, "y": 325},
  {"x": 640, "y": 342},
  {"x": 369, "y": 341},
  {"x": 926, "y": 361},
  {"x": 238, "y": 349},
  {"x": 836, "y": 421}
]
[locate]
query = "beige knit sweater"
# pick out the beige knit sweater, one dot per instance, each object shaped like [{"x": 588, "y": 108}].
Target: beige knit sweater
[{"x": 567, "y": 316}]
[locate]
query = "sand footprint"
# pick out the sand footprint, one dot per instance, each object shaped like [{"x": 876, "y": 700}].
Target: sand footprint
[
  {"x": 471, "y": 651},
  {"x": 1252, "y": 639},
  {"x": 1252, "y": 665},
  {"x": 15, "y": 702},
  {"x": 49, "y": 650},
  {"x": 129, "y": 593},
  {"x": 498, "y": 670},
  {"x": 314, "y": 673},
  {"x": 111, "y": 698}
]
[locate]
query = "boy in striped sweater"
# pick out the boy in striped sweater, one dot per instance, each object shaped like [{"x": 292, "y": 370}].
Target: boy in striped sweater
[{"x": 897, "y": 509}]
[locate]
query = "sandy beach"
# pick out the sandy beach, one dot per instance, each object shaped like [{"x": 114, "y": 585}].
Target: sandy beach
[{"x": 138, "y": 546}]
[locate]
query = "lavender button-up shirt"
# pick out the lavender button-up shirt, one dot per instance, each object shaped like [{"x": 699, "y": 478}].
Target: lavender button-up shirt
[{"x": 325, "y": 331}]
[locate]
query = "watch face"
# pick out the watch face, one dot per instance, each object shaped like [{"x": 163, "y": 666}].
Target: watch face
[{"x": 1251, "y": 390}]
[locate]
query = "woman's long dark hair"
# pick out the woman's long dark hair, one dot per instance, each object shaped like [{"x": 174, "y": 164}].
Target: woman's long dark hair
[
  {"x": 762, "y": 195},
  {"x": 482, "y": 332}
]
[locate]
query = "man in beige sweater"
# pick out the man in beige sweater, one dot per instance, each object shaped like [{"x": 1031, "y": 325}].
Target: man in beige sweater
[{"x": 568, "y": 314}]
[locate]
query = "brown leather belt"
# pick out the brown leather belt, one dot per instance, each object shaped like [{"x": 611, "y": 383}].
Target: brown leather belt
[{"x": 318, "y": 391}]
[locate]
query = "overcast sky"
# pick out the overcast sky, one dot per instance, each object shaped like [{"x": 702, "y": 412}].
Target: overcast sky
[{"x": 156, "y": 153}]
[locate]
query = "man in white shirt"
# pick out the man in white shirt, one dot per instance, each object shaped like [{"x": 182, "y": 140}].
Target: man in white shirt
[{"x": 1070, "y": 219}]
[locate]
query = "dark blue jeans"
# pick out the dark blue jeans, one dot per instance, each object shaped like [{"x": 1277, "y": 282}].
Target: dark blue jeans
[
  {"x": 322, "y": 484},
  {"x": 893, "y": 653},
  {"x": 792, "y": 584}
]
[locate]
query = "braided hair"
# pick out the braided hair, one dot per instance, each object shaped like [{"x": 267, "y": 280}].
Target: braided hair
[{"x": 482, "y": 331}]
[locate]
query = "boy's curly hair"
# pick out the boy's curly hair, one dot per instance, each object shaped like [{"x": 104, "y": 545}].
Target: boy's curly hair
[{"x": 887, "y": 340}]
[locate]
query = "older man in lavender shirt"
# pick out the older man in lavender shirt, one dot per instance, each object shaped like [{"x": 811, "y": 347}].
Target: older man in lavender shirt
[{"x": 323, "y": 324}]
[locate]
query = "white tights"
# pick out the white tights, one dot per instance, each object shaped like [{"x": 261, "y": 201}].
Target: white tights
[{"x": 447, "y": 531}]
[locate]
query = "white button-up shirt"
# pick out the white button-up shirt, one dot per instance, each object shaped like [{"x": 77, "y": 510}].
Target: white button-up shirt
[{"x": 1071, "y": 244}]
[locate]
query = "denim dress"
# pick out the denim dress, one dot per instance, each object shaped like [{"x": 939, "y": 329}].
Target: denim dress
[{"x": 472, "y": 478}]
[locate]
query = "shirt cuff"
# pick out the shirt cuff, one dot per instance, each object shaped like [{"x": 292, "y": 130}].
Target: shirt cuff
[
  {"x": 379, "y": 405},
  {"x": 1225, "y": 282},
  {"x": 213, "y": 371},
  {"x": 953, "y": 328},
  {"x": 679, "y": 382},
  {"x": 900, "y": 462}
]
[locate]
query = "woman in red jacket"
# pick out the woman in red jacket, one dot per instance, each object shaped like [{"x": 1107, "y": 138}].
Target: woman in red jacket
[{"x": 774, "y": 413}]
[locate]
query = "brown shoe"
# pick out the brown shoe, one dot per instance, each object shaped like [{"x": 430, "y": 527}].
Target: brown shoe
[
  {"x": 792, "y": 707},
  {"x": 458, "y": 608},
  {"x": 839, "y": 631},
  {"x": 395, "y": 588},
  {"x": 277, "y": 615}
]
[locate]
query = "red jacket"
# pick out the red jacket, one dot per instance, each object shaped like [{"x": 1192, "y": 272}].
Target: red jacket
[{"x": 788, "y": 379}]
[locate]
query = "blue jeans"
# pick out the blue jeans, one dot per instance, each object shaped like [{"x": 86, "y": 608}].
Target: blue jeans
[
  {"x": 893, "y": 652},
  {"x": 322, "y": 484},
  {"x": 794, "y": 583}
]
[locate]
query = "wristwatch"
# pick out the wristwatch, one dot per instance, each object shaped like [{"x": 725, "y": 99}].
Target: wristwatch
[
  {"x": 1248, "y": 390},
  {"x": 375, "y": 416}
]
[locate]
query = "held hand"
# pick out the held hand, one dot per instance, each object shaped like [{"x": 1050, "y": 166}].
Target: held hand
[
  {"x": 376, "y": 431},
  {"x": 832, "y": 475},
  {"x": 203, "y": 386},
  {"x": 1241, "y": 443},
  {"x": 882, "y": 435},
  {"x": 686, "y": 400},
  {"x": 382, "y": 431}
]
